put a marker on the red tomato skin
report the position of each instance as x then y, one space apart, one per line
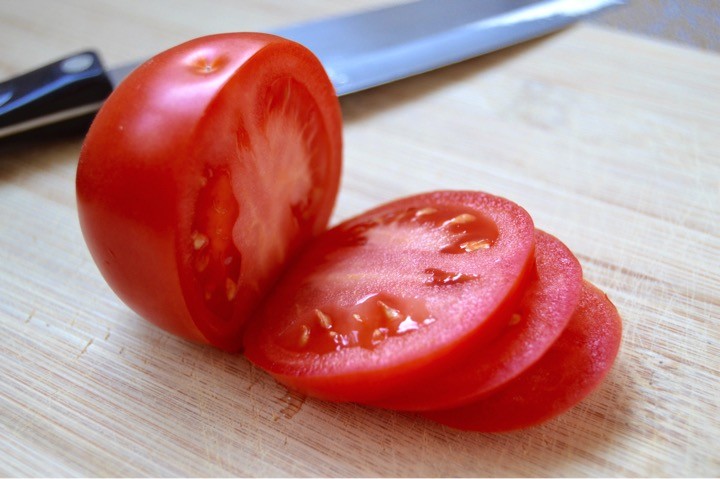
144 153
571 369
360 375
545 309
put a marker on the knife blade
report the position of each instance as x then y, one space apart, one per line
359 51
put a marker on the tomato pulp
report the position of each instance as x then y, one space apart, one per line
205 171
394 294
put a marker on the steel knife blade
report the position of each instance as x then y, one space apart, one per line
359 51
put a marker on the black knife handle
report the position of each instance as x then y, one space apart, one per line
60 97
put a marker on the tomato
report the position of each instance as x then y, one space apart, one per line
205 171
575 364
541 315
204 188
395 294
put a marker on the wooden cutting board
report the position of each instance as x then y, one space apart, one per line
610 141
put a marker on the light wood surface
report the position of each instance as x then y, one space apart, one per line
610 141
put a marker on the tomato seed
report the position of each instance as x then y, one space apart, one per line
202 262
324 320
304 336
199 240
461 219
439 277
390 313
515 319
230 289
470 246
425 211
379 335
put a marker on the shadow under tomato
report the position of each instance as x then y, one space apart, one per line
568 444
404 444
181 388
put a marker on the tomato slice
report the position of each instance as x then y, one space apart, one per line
394 294
575 364
542 314
206 170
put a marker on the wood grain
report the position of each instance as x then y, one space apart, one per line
610 141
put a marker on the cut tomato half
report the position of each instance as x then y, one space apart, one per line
202 175
575 364
394 295
541 315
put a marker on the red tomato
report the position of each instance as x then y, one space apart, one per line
542 314
394 294
203 173
575 364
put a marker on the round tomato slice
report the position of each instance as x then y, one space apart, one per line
394 294
575 364
203 173
541 315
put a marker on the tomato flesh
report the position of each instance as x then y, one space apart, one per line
204 173
539 318
393 294
574 366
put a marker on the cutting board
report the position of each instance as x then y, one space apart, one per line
609 140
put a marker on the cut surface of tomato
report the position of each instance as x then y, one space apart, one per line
394 294
575 364
205 171
541 315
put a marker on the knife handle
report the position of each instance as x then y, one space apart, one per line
61 97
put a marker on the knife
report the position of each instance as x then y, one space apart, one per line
359 51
